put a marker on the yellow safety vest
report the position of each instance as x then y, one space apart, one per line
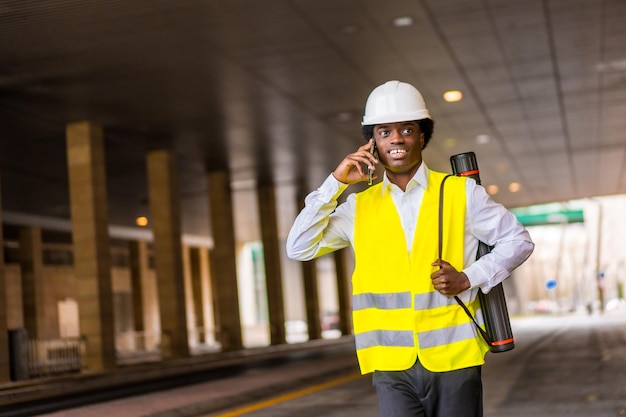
397 313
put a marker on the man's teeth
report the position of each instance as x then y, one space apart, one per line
394 151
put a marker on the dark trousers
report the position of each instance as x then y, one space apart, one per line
418 392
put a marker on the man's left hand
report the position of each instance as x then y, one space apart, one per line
447 280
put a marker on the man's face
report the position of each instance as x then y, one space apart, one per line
399 146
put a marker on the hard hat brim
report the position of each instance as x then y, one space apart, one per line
393 118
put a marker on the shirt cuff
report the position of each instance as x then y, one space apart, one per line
332 188
480 278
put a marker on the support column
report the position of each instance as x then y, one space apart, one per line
271 255
195 267
165 211
208 297
39 322
312 301
223 262
311 293
92 259
343 293
5 368
138 254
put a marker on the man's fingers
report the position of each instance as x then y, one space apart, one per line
367 146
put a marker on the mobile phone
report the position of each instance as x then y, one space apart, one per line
370 171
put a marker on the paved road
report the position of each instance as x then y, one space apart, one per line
563 366
571 366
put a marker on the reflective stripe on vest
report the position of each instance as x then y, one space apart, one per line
383 301
384 338
403 300
405 338
434 299
397 314
441 337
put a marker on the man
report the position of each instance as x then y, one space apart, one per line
422 348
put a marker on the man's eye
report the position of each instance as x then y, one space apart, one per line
407 131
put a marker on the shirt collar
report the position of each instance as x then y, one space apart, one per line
419 179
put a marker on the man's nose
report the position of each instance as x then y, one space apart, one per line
396 136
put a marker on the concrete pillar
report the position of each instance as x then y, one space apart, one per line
223 262
92 259
35 308
5 368
311 293
195 268
138 254
271 254
168 256
312 301
208 297
344 295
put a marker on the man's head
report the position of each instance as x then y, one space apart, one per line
396 101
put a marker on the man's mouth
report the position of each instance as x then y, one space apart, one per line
397 152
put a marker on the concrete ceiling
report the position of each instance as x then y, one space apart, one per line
273 90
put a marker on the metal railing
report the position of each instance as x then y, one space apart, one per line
55 356
58 356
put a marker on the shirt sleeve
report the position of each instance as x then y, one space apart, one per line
493 224
322 226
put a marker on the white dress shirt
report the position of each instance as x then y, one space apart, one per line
324 226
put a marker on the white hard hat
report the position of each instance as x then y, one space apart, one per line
394 101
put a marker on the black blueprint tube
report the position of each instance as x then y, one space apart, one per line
493 304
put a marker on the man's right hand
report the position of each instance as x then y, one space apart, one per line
353 167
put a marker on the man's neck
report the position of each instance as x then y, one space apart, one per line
401 179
